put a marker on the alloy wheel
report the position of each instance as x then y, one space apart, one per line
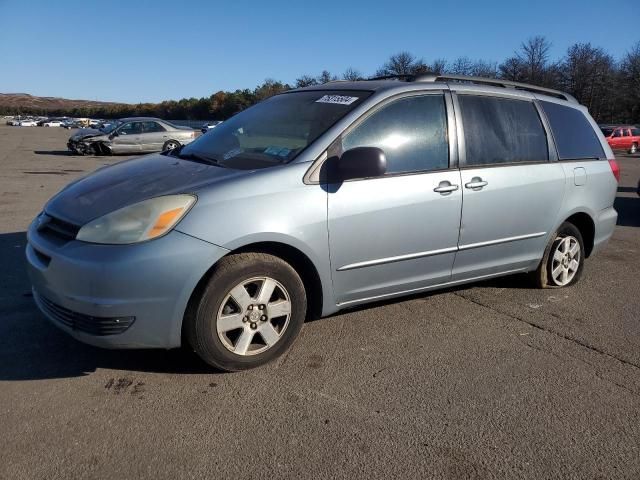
253 316
566 260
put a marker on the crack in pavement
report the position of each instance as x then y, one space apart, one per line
544 329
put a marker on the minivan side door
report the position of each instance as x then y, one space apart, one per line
512 191
398 232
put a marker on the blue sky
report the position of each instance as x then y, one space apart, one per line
136 51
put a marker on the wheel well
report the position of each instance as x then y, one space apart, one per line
294 257
587 228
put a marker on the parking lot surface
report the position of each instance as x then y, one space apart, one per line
490 380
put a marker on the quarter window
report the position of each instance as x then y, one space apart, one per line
411 131
572 132
501 130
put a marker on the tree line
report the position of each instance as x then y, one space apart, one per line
609 87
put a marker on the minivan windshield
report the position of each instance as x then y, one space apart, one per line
274 131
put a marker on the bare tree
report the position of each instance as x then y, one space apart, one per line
325 77
352 74
438 66
630 84
587 73
402 63
305 81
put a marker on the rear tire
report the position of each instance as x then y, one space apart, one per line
250 312
563 259
633 149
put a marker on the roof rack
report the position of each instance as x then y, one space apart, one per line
432 77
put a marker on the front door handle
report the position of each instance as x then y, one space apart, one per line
476 183
445 187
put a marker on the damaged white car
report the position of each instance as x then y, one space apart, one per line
130 135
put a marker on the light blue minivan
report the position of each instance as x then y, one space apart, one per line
319 199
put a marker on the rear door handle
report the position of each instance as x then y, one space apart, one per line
445 187
476 183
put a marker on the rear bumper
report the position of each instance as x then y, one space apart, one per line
604 226
119 296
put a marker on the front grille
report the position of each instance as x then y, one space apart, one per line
61 230
99 326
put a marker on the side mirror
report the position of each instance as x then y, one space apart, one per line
361 162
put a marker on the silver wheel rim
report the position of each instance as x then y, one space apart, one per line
253 316
633 149
566 260
171 145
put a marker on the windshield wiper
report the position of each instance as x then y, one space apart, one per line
199 158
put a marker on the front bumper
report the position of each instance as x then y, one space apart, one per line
87 289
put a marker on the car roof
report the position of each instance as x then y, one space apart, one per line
439 82
141 119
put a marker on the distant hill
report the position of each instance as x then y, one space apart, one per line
25 103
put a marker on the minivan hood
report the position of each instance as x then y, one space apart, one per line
132 181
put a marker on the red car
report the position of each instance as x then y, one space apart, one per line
622 138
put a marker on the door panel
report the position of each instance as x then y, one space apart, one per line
128 139
392 234
506 223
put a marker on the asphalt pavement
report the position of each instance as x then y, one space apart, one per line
490 380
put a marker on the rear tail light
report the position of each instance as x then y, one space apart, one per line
615 169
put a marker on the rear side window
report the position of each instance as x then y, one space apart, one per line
635 132
500 130
572 132
411 131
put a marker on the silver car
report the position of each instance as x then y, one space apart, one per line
130 136
320 199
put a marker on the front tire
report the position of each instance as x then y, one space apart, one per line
563 259
170 145
250 312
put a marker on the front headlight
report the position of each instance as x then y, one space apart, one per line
138 222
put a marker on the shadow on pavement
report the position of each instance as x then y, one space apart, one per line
64 153
31 348
628 209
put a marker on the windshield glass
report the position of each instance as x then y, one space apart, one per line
110 127
274 131
607 131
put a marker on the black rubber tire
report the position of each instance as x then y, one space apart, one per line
170 145
200 329
542 276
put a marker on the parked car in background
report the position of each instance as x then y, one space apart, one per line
209 125
28 123
230 242
625 137
131 135
52 123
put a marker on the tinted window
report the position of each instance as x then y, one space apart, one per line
635 132
499 130
617 133
572 132
606 131
626 133
411 131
